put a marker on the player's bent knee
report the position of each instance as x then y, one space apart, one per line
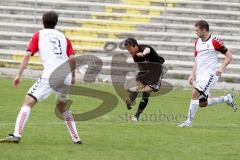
146 94
61 106
148 89
195 94
203 102
29 101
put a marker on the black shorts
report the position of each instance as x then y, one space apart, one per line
153 80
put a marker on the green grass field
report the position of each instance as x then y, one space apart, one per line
214 135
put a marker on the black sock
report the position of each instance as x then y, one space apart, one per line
142 104
133 96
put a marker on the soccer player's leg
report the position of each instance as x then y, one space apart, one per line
228 99
61 104
143 103
211 101
130 100
203 88
193 107
199 97
22 118
133 89
36 93
153 85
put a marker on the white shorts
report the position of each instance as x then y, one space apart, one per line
205 83
41 90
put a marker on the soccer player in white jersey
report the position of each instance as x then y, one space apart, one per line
206 71
54 49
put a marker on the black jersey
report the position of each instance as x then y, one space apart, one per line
153 76
150 57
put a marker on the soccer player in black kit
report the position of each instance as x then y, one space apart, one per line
149 76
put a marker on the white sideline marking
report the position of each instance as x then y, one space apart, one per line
231 125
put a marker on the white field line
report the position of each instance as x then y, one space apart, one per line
195 125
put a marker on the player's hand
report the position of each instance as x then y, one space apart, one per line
16 81
140 54
219 71
190 80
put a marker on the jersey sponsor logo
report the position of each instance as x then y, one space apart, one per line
204 50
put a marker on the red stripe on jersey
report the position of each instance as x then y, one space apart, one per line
70 50
33 44
218 44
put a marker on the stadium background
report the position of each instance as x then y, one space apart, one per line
167 25
91 24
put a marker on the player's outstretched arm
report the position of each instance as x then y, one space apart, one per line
22 67
227 60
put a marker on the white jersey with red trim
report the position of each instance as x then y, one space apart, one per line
206 55
53 47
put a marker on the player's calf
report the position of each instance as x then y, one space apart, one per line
130 100
142 104
141 107
30 101
69 120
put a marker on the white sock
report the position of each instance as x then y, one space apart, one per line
71 125
21 120
216 100
192 110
